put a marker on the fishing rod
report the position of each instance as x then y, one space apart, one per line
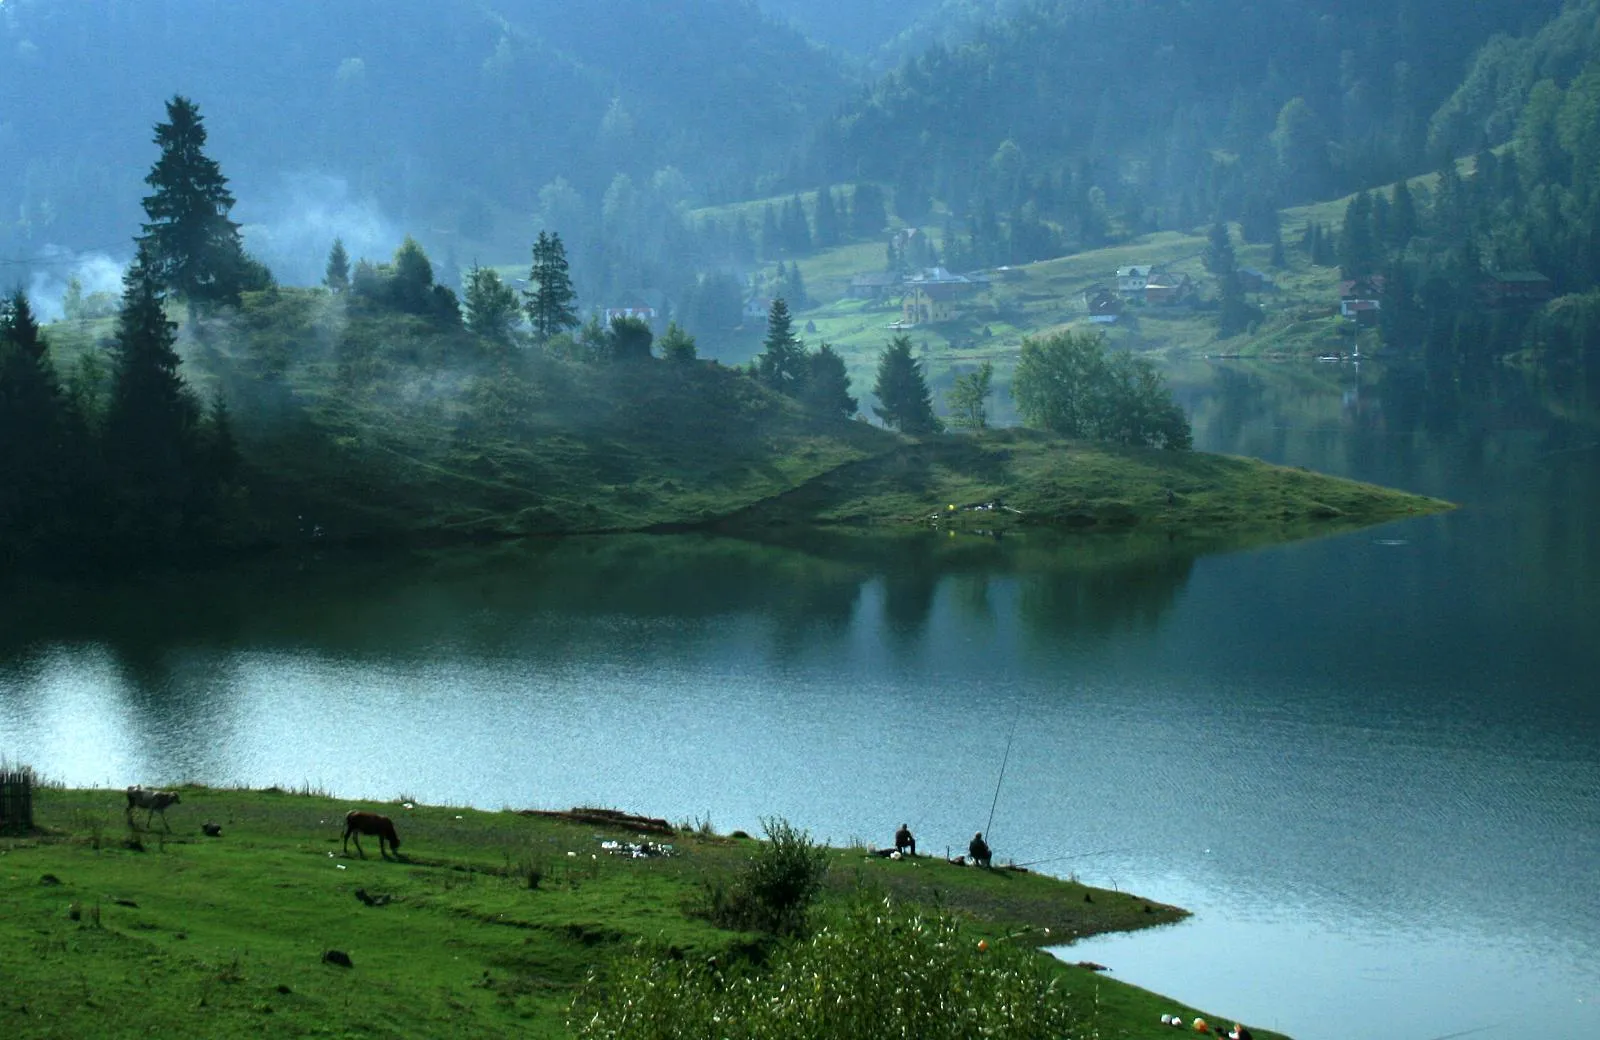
1075 855
987 827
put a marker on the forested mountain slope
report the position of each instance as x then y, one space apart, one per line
446 112
1172 108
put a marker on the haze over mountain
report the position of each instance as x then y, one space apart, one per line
1027 129
446 116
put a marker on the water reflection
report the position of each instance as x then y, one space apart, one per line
1354 756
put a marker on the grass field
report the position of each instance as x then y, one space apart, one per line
486 925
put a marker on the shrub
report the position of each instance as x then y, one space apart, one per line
1069 384
778 886
881 969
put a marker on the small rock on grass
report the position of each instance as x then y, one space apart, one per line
338 957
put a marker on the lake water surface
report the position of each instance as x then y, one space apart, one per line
1370 763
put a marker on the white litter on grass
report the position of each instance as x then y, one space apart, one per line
408 805
458 817
339 865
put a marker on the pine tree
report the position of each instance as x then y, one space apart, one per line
550 300
195 250
794 228
149 439
72 301
902 391
793 287
869 214
1358 250
781 365
829 231
827 389
1219 256
492 309
1403 225
412 282
1280 257
337 277
677 345
34 461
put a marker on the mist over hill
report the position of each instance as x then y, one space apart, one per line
445 117
1015 130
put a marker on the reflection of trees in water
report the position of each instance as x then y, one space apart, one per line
1132 595
554 602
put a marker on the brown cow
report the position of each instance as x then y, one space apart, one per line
358 822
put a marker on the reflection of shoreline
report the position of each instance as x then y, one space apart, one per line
362 603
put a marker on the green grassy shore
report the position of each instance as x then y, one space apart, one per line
486 926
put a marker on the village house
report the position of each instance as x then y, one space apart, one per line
1168 290
1361 299
1252 280
1516 289
757 308
1100 301
644 314
1131 282
876 286
932 296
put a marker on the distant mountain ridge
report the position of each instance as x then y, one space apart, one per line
435 108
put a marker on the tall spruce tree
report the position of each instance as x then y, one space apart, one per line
149 437
34 462
549 300
194 249
781 365
902 391
337 275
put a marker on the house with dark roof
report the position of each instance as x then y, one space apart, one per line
1516 289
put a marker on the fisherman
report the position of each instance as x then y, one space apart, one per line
904 843
978 849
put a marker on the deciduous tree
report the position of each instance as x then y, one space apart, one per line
968 398
827 385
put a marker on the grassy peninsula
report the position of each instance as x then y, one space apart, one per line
487 925
359 424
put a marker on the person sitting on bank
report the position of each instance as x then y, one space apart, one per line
904 843
978 849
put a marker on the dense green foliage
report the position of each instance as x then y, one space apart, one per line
192 246
1070 384
968 398
880 968
1158 116
904 401
550 298
775 890
138 933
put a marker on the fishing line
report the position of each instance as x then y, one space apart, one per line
987 827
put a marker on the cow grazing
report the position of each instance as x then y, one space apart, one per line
152 801
357 823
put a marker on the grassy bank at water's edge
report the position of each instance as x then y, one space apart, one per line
487 926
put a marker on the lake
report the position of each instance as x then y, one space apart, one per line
1369 763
